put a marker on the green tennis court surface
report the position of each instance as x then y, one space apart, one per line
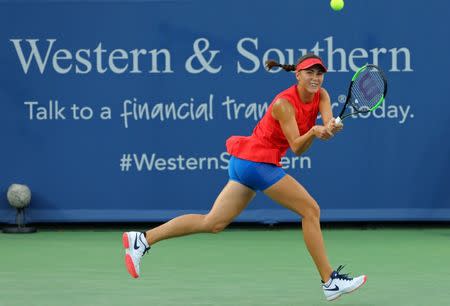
235 268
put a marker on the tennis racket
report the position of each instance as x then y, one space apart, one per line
366 92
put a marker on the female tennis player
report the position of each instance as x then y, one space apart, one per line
290 122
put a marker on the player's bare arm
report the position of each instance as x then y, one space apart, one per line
327 113
284 112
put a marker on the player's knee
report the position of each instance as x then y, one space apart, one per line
218 227
312 211
214 226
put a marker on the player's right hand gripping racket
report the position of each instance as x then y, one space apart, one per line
366 92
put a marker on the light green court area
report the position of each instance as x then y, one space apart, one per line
234 268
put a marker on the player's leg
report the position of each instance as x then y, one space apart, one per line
289 193
231 201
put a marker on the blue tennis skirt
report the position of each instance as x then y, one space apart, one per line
257 176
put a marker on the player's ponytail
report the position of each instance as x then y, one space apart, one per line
271 63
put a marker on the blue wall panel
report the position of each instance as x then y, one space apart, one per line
190 64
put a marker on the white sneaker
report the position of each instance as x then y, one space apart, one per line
341 283
135 246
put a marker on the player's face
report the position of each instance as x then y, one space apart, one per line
310 79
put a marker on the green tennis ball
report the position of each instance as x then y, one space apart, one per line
337 5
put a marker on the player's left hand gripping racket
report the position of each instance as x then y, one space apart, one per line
366 92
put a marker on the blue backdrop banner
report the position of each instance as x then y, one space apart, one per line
119 110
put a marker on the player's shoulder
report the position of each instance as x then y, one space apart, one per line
283 102
323 91
282 108
324 96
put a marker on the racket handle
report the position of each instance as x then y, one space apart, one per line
338 120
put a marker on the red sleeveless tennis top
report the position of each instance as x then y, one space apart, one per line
268 144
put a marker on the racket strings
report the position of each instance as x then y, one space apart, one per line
367 89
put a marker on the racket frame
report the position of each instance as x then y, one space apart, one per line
340 117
